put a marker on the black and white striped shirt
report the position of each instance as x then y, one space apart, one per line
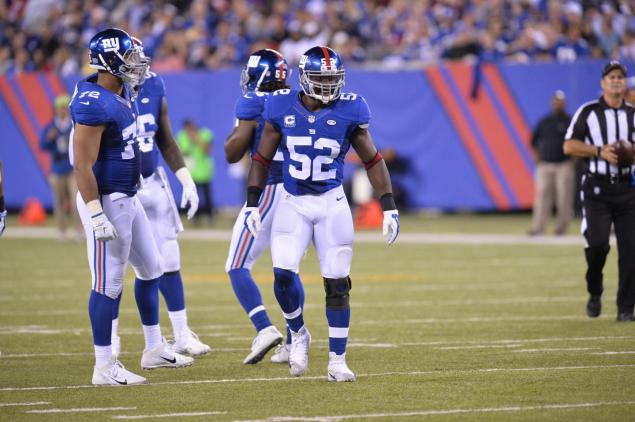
596 123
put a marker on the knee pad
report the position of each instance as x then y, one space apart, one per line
114 290
283 278
337 292
338 261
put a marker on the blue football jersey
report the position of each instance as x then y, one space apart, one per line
117 167
250 107
149 102
314 144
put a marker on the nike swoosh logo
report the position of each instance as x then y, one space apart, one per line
173 360
85 103
124 382
339 199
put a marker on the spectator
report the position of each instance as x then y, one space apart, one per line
55 139
555 172
215 34
196 144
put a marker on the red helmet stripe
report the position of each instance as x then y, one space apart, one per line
327 56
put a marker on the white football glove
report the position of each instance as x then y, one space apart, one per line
189 195
103 228
3 218
252 221
391 225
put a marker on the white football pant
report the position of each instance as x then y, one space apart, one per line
108 261
326 219
158 202
244 250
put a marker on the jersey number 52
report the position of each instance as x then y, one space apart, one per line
316 165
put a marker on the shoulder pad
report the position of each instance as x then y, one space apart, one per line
87 108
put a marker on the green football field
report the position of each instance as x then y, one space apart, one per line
443 330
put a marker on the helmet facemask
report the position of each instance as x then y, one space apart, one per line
134 68
323 85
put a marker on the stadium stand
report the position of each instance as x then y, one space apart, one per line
212 34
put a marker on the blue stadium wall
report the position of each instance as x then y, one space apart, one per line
463 130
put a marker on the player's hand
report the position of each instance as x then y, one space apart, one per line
103 228
252 221
190 196
391 225
3 219
189 191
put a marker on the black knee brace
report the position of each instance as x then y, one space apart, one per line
337 292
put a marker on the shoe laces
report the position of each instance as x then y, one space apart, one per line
116 367
302 345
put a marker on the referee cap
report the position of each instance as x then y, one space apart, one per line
612 65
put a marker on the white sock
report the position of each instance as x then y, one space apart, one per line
102 355
179 322
152 335
115 328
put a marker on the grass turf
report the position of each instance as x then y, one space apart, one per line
439 332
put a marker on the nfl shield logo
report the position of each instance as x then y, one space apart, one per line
311 119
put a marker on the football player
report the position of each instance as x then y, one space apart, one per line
314 129
265 72
155 136
105 156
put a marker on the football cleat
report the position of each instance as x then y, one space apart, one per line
188 343
299 352
281 354
113 373
267 339
115 343
163 356
338 370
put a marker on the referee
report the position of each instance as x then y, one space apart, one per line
607 194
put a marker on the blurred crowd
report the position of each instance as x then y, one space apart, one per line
212 34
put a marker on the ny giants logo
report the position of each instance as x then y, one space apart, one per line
253 61
110 44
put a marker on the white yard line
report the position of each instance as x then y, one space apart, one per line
358 304
479 346
516 341
82 410
438 412
437 345
168 415
373 236
68 354
625 352
562 349
383 374
35 403
478 319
